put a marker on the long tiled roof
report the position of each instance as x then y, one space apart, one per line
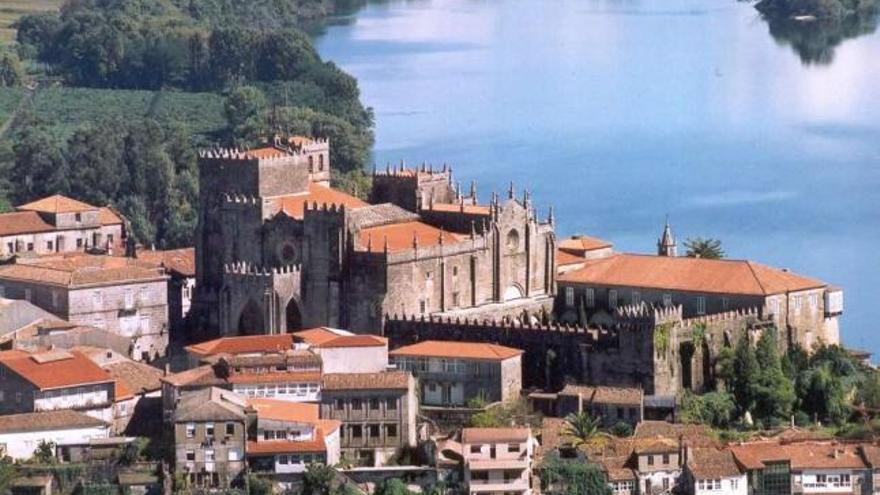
401 236
55 369
63 419
459 208
355 341
244 344
689 274
81 269
107 216
493 435
367 381
139 378
456 349
282 410
56 204
319 335
566 258
801 455
581 243
605 395
294 204
694 435
23 222
210 404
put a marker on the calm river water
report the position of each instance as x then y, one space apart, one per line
619 112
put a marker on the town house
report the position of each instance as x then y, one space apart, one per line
498 460
21 434
611 405
451 372
711 471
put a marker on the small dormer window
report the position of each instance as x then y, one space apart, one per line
78 217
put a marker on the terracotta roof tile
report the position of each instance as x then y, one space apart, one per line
400 236
283 410
801 455
578 244
689 274
566 258
694 435
275 377
710 463
55 369
77 269
459 208
605 395
106 216
49 420
263 447
23 222
494 435
181 261
138 377
363 340
367 381
56 204
319 335
243 345
267 152
294 204
456 349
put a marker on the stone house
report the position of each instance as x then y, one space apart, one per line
710 471
59 379
452 372
377 410
58 224
278 249
21 434
871 455
804 309
210 432
120 295
180 265
658 463
610 404
621 478
288 437
498 460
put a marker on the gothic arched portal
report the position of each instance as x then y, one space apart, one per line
292 316
251 320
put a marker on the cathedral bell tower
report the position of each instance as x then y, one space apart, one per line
666 244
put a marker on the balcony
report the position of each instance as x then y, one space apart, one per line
498 486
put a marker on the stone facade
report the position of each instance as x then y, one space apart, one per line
278 250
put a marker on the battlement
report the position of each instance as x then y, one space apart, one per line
246 269
424 172
477 326
274 153
646 313
734 315
240 199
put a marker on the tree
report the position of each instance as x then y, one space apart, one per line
40 168
8 473
583 429
318 479
713 408
725 367
747 372
392 486
245 109
774 394
704 248
11 71
570 477
45 452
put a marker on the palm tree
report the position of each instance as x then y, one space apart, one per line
583 429
704 248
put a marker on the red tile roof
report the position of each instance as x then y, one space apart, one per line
275 377
77 269
494 435
294 204
263 447
400 236
56 204
62 419
319 335
181 261
566 258
604 394
106 216
709 464
243 345
458 208
577 244
283 410
801 455
267 152
456 349
689 274
23 222
55 369
355 341
388 380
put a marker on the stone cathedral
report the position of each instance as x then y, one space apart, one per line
278 249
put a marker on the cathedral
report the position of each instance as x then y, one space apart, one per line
278 249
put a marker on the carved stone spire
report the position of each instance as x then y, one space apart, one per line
666 245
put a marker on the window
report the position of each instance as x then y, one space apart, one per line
356 404
129 298
701 305
513 447
569 296
665 483
612 298
665 458
79 242
374 431
797 303
429 275
30 246
356 431
230 428
620 413
636 297
78 217
650 460
109 238
725 304
667 300
10 247
814 301
390 431
209 455
340 404
209 429
734 483
27 294
283 459
422 306
55 298
191 455
590 297
374 404
190 430
476 449
320 163
391 405
454 271
455 299
50 246
311 164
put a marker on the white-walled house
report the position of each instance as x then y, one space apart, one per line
344 352
498 460
710 471
21 434
291 436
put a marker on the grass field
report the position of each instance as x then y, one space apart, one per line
11 10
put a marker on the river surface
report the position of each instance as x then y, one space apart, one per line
620 112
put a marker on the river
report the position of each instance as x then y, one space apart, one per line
620 112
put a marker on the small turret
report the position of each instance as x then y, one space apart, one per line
666 245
